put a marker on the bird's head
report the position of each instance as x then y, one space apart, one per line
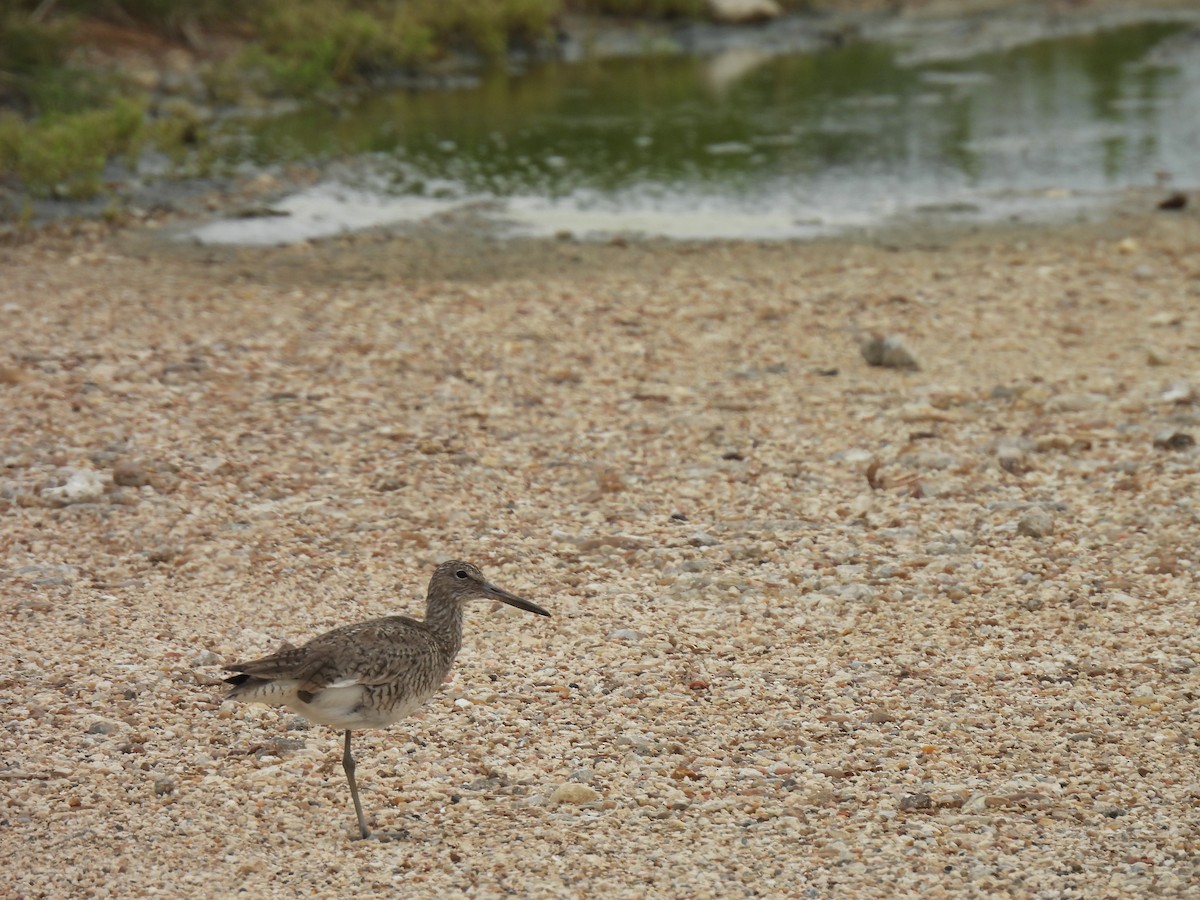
462 582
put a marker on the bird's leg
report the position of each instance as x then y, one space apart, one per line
348 765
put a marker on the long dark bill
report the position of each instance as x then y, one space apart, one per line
513 600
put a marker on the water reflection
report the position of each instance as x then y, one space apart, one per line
751 144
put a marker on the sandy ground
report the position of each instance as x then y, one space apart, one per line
820 629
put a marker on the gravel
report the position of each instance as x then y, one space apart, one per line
802 644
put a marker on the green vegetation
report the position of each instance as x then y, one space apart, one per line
58 125
313 44
65 154
61 121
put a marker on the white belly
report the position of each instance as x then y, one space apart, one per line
345 707
350 708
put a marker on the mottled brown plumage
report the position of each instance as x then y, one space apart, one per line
372 674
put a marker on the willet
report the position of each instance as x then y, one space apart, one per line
372 674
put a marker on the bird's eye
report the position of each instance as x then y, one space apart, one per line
461 573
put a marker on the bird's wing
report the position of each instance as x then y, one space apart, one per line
374 652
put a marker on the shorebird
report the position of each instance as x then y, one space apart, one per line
371 674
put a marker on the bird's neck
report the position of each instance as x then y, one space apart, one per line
445 621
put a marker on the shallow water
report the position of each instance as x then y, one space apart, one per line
754 141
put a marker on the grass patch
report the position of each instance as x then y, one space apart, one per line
490 28
65 156
312 44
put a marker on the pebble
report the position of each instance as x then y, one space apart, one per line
1061 403
624 634
130 473
924 412
1036 523
83 486
889 352
1165 319
574 793
915 802
1180 392
1174 440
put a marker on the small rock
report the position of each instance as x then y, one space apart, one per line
890 352
1051 442
1165 319
924 412
1157 357
1061 403
130 473
1175 201
1013 461
1036 394
161 554
618 541
1036 523
1174 440
915 801
574 793
206 658
976 803
84 486
854 455
282 746
1179 392
702 539
624 634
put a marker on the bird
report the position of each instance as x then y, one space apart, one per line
374 673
